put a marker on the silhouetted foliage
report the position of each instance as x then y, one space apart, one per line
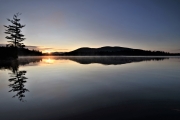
14 31
15 38
13 52
8 52
27 52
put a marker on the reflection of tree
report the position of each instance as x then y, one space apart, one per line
21 61
18 79
14 66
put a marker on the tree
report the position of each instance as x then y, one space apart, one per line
15 37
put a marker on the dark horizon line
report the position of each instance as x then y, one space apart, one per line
116 50
121 47
36 48
27 47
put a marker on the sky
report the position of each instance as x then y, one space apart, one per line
65 25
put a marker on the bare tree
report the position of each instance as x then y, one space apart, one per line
14 32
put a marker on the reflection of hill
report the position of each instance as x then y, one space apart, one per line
112 60
14 64
108 60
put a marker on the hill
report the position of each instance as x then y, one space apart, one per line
111 51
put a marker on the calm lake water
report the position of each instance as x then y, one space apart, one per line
90 88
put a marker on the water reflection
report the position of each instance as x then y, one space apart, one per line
112 60
13 65
63 89
18 80
109 60
49 60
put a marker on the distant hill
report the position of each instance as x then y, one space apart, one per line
109 51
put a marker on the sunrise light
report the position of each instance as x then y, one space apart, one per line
49 61
47 51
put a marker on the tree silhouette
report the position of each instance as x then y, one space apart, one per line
15 37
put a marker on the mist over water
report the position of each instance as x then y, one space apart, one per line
71 88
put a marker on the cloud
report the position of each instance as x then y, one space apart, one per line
41 48
52 49
45 49
62 49
33 47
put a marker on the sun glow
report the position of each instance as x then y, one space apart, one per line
47 51
49 61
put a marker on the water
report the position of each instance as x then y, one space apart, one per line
90 88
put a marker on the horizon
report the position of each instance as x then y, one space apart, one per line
47 51
63 26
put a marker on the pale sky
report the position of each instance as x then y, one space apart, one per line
65 25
